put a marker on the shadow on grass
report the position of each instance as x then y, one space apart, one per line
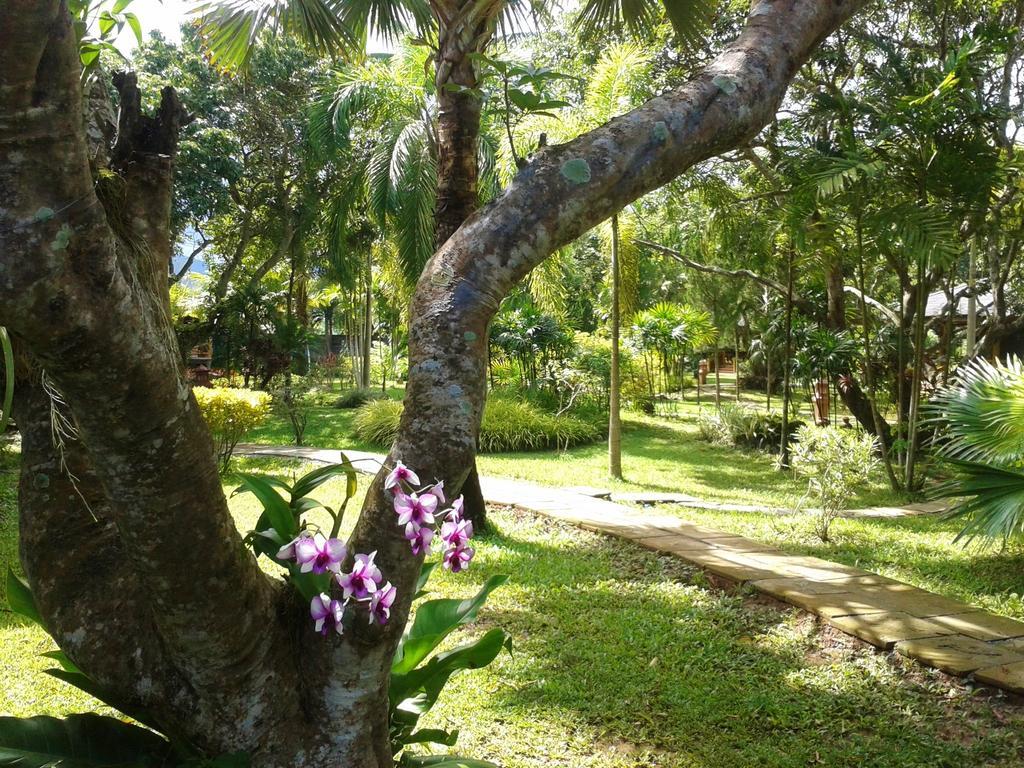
625 639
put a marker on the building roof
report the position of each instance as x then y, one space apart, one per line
938 303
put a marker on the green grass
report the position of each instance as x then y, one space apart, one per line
627 659
659 453
917 550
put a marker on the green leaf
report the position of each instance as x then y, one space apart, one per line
133 22
19 597
278 512
432 736
78 741
308 483
62 658
83 682
444 761
421 580
416 693
434 621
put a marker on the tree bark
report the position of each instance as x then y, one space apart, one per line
255 676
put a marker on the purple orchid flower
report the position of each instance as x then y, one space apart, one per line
363 580
398 474
317 554
419 537
455 513
457 559
381 602
436 490
327 614
456 532
287 552
415 509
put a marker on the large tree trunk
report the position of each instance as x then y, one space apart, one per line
458 167
223 656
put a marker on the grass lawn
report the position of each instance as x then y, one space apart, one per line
627 659
658 453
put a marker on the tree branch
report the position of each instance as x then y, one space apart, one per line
562 193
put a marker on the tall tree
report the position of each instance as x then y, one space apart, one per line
209 645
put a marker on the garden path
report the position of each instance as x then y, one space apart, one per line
937 631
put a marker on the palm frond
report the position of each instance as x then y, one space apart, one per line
232 28
982 413
690 19
990 497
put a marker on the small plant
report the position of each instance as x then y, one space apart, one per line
834 461
231 414
294 402
711 428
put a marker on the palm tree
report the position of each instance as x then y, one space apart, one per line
982 419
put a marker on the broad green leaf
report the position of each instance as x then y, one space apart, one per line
133 22
434 621
19 597
416 692
83 682
432 736
279 514
62 658
308 483
78 741
421 580
444 761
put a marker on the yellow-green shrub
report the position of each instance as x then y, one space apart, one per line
231 414
508 426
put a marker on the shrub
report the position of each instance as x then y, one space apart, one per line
353 398
295 403
231 414
744 427
377 421
834 461
508 426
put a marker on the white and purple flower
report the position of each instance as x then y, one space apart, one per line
419 537
314 553
436 490
418 510
399 474
457 559
456 532
327 614
381 602
363 579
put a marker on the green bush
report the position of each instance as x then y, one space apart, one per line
508 426
231 414
377 421
744 427
353 398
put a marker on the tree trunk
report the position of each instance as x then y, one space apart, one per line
367 341
219 653
614 423
787 391
458 172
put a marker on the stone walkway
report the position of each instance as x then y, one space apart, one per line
934 630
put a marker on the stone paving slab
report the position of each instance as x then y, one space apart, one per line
982 625
1007 676
884 630
958 654
935 630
